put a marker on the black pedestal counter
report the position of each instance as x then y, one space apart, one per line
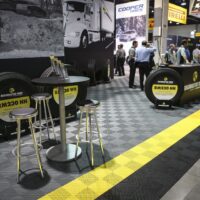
173 84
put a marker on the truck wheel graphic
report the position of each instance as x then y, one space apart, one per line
15 92
84 40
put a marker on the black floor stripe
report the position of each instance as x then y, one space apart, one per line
153 180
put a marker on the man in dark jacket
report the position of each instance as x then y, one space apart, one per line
131 62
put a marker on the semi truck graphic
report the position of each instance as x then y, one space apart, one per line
87 21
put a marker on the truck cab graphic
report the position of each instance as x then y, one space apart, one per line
87 21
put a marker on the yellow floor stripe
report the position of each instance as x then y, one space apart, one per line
96 182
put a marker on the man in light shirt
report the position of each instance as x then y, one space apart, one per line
131 62
142 57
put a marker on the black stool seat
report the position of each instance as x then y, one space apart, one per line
41 96
89 102
23 113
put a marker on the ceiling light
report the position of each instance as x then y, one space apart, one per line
183 3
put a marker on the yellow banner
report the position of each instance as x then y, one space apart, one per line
71 92
151 23
197 34
177 14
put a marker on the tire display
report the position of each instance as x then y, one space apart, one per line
15 92
164 87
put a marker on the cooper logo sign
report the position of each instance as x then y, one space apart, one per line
177 14
136 8
131 9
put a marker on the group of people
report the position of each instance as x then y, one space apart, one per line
142 58
182 55
138 57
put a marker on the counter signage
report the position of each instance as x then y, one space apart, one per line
71 93
177 14
165 89
195 85
11 98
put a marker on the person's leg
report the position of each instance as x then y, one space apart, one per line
119 66
141 72
123 61
147 69
132 74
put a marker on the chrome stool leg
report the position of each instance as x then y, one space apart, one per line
78 135
51 119
99 134
91 144
45 114
18 149
86 118
36 147
40 121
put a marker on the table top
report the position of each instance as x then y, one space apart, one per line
185 65
58 81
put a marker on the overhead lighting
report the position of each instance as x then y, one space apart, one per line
183 3
152 11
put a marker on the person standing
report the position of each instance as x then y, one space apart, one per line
196 55
142 57
131 62
181 53
170 55
122 60
117 67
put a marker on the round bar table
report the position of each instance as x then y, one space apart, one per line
62 152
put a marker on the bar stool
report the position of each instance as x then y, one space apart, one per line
39 98
25 114
89 108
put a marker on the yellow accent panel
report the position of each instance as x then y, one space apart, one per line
96 182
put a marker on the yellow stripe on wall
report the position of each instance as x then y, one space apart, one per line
96 182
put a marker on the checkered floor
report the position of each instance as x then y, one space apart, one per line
126 118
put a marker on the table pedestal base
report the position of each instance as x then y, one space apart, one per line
55 153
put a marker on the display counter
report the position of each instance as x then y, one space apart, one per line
173 84
190 74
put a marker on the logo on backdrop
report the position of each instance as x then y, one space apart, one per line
136 8
195 76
